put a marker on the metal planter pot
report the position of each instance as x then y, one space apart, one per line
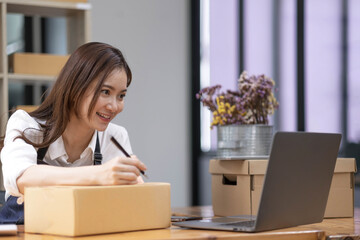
241 141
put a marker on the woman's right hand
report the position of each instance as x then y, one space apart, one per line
120 171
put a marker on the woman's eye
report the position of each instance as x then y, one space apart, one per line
105 91
121 97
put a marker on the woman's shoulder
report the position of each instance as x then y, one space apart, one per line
21 119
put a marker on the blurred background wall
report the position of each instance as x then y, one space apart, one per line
155 39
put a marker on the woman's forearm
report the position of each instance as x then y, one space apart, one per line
118 171
43 175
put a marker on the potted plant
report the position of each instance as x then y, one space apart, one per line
241 116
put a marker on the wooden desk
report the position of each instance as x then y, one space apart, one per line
319 231
331 226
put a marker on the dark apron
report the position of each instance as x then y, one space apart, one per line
12 212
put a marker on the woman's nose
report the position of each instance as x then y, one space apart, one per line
112 105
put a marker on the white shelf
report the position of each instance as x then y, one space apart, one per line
30 78
45 8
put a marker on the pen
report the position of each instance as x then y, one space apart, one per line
117 144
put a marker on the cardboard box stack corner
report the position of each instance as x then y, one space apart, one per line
237 185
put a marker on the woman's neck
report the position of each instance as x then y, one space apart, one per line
76 138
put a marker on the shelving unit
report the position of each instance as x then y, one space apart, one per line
77 15
78 28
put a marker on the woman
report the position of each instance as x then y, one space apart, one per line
62 141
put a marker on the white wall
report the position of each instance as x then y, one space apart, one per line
154 36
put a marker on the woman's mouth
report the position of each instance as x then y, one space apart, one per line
104 116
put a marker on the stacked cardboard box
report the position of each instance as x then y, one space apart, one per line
37 64
237 187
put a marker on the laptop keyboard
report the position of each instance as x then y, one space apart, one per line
240 224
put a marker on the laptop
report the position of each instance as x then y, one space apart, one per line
296 185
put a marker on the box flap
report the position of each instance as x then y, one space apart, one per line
245 167
229 166
257 167
345 165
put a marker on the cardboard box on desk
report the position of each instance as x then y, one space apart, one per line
37 64
237 187
76 210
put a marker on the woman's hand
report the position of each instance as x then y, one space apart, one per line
121 170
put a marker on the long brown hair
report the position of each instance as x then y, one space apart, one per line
91 61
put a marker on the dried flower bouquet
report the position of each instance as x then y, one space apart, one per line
252 103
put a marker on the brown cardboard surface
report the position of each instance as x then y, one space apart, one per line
229 167
37 64
259 166
256 192
341 196
345 165
224 195
244 197
76 210
238 166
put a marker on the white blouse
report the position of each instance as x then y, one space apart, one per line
17 155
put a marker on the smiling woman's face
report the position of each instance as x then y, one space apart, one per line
109 103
